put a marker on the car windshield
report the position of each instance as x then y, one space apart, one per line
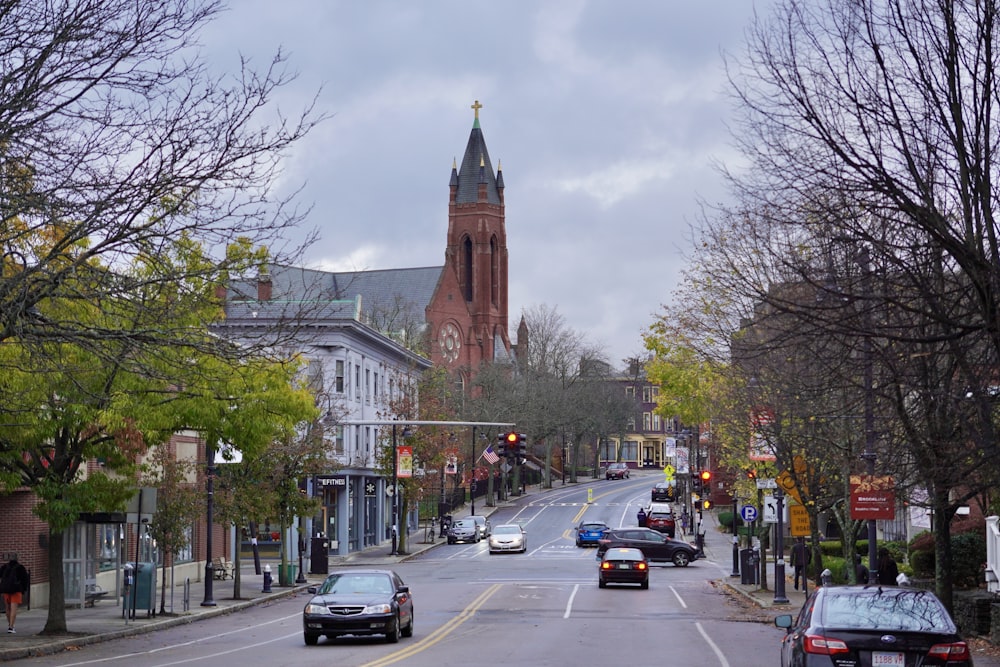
465 524
357 583
660 516
623 554
915 611
507 530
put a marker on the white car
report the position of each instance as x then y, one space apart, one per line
508 537
483 524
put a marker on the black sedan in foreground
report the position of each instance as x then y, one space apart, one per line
872 625
623 566
656 546
359 602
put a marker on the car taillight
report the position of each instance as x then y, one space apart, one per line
640 566
955 651
605 565
824 645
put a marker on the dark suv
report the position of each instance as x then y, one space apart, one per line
616 471
657 546
662 492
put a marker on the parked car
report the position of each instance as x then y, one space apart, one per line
484 525
359 602
656 546
662 492
616 471
872 625
661 521
622 565
589 532
508 537
463 530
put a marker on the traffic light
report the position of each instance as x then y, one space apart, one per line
706 479
522 444
707 504
751 473
512 439
501 445
696 484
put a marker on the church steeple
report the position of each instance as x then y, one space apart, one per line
476 168
472 293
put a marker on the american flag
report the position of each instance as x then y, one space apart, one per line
490 455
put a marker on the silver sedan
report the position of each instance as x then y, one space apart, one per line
508 537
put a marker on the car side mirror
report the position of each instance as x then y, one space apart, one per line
783 621
312 589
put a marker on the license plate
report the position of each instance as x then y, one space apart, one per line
883 659
624 566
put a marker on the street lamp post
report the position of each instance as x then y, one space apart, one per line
395 493
209 601
779 550
869 455
736 540
472 473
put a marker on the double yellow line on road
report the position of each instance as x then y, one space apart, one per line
439 634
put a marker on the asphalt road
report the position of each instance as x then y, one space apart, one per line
539 608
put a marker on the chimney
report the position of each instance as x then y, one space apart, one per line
263 285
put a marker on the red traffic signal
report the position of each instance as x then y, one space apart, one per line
512 439
706 476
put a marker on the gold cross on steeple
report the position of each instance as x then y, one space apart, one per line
476 107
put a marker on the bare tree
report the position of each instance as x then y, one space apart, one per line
119 144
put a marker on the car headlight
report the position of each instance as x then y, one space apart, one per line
377 609
316 609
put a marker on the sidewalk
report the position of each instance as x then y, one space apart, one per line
719 549
105 620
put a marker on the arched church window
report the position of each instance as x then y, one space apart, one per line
467 268
494 272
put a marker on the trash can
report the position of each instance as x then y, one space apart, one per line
319 556
141 595
748 567
289 574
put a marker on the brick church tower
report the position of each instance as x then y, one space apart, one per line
467 315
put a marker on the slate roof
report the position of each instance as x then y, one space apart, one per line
476 166
385 290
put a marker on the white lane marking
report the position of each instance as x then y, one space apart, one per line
192 642
678 596
715 649
569 603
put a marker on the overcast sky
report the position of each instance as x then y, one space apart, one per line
605 115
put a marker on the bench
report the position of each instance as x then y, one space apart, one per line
92 594
222 568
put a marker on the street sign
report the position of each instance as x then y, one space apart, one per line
669 471
798 524
787 483
749 513
769 483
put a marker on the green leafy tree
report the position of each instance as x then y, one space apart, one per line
178 505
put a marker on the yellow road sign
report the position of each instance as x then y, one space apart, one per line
669 470
798 521
787 484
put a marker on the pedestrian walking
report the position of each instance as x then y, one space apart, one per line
888 571
14 584
684 522
801 557
641 517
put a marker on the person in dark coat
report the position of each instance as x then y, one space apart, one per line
641 517
14 585
801 556
888 571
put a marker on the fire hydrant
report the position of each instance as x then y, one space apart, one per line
267 579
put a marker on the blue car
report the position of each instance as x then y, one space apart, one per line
590 533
